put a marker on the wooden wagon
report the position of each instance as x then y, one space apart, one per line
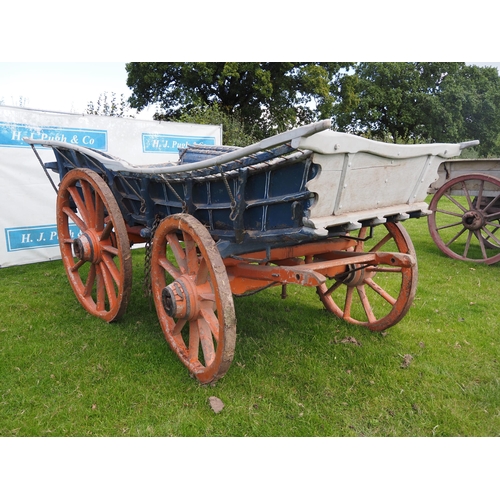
309 207
465 206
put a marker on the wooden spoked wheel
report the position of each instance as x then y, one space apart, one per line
193 297
465 219
96 255
374 296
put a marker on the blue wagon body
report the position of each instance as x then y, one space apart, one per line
249 204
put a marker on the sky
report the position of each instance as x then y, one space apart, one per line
70 86
63 86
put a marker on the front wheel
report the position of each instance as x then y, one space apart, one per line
193 297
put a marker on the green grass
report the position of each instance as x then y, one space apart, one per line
66 373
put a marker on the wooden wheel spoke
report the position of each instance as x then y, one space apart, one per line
366 304
492 203
80 205
334 287
89 284
480 195
191 252
467 193
203 273
481 243
98 213
165 264
348 302
491 234
378 289
467 244
100 289
447 226
212 321
177 331
194 341
207 341
106 233
381 243
178 251
88 199
462 231
455 202
493 217
79 263
447 212
112 269
74 217
110 250
108 287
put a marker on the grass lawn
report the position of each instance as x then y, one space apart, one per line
66 373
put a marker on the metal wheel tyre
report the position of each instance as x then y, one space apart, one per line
374 296
465 218
96 255
193 297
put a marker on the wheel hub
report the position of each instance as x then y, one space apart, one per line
473 220
179 299
86 248
354 275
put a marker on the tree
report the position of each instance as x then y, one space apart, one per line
110 106
421 102
233 128
386 100
469 108
268 97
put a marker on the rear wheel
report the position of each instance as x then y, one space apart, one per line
374 296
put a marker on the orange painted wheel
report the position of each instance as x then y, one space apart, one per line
465 219
374 296
193 297
96 255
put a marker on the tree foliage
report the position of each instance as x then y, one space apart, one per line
422 102
110 106
233 128
403 102
268 97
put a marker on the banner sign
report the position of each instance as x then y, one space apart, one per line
29 237
161 143
12 135
28 231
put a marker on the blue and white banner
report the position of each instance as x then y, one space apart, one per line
28 230
12 135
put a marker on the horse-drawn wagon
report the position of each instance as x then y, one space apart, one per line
465 207
308 207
